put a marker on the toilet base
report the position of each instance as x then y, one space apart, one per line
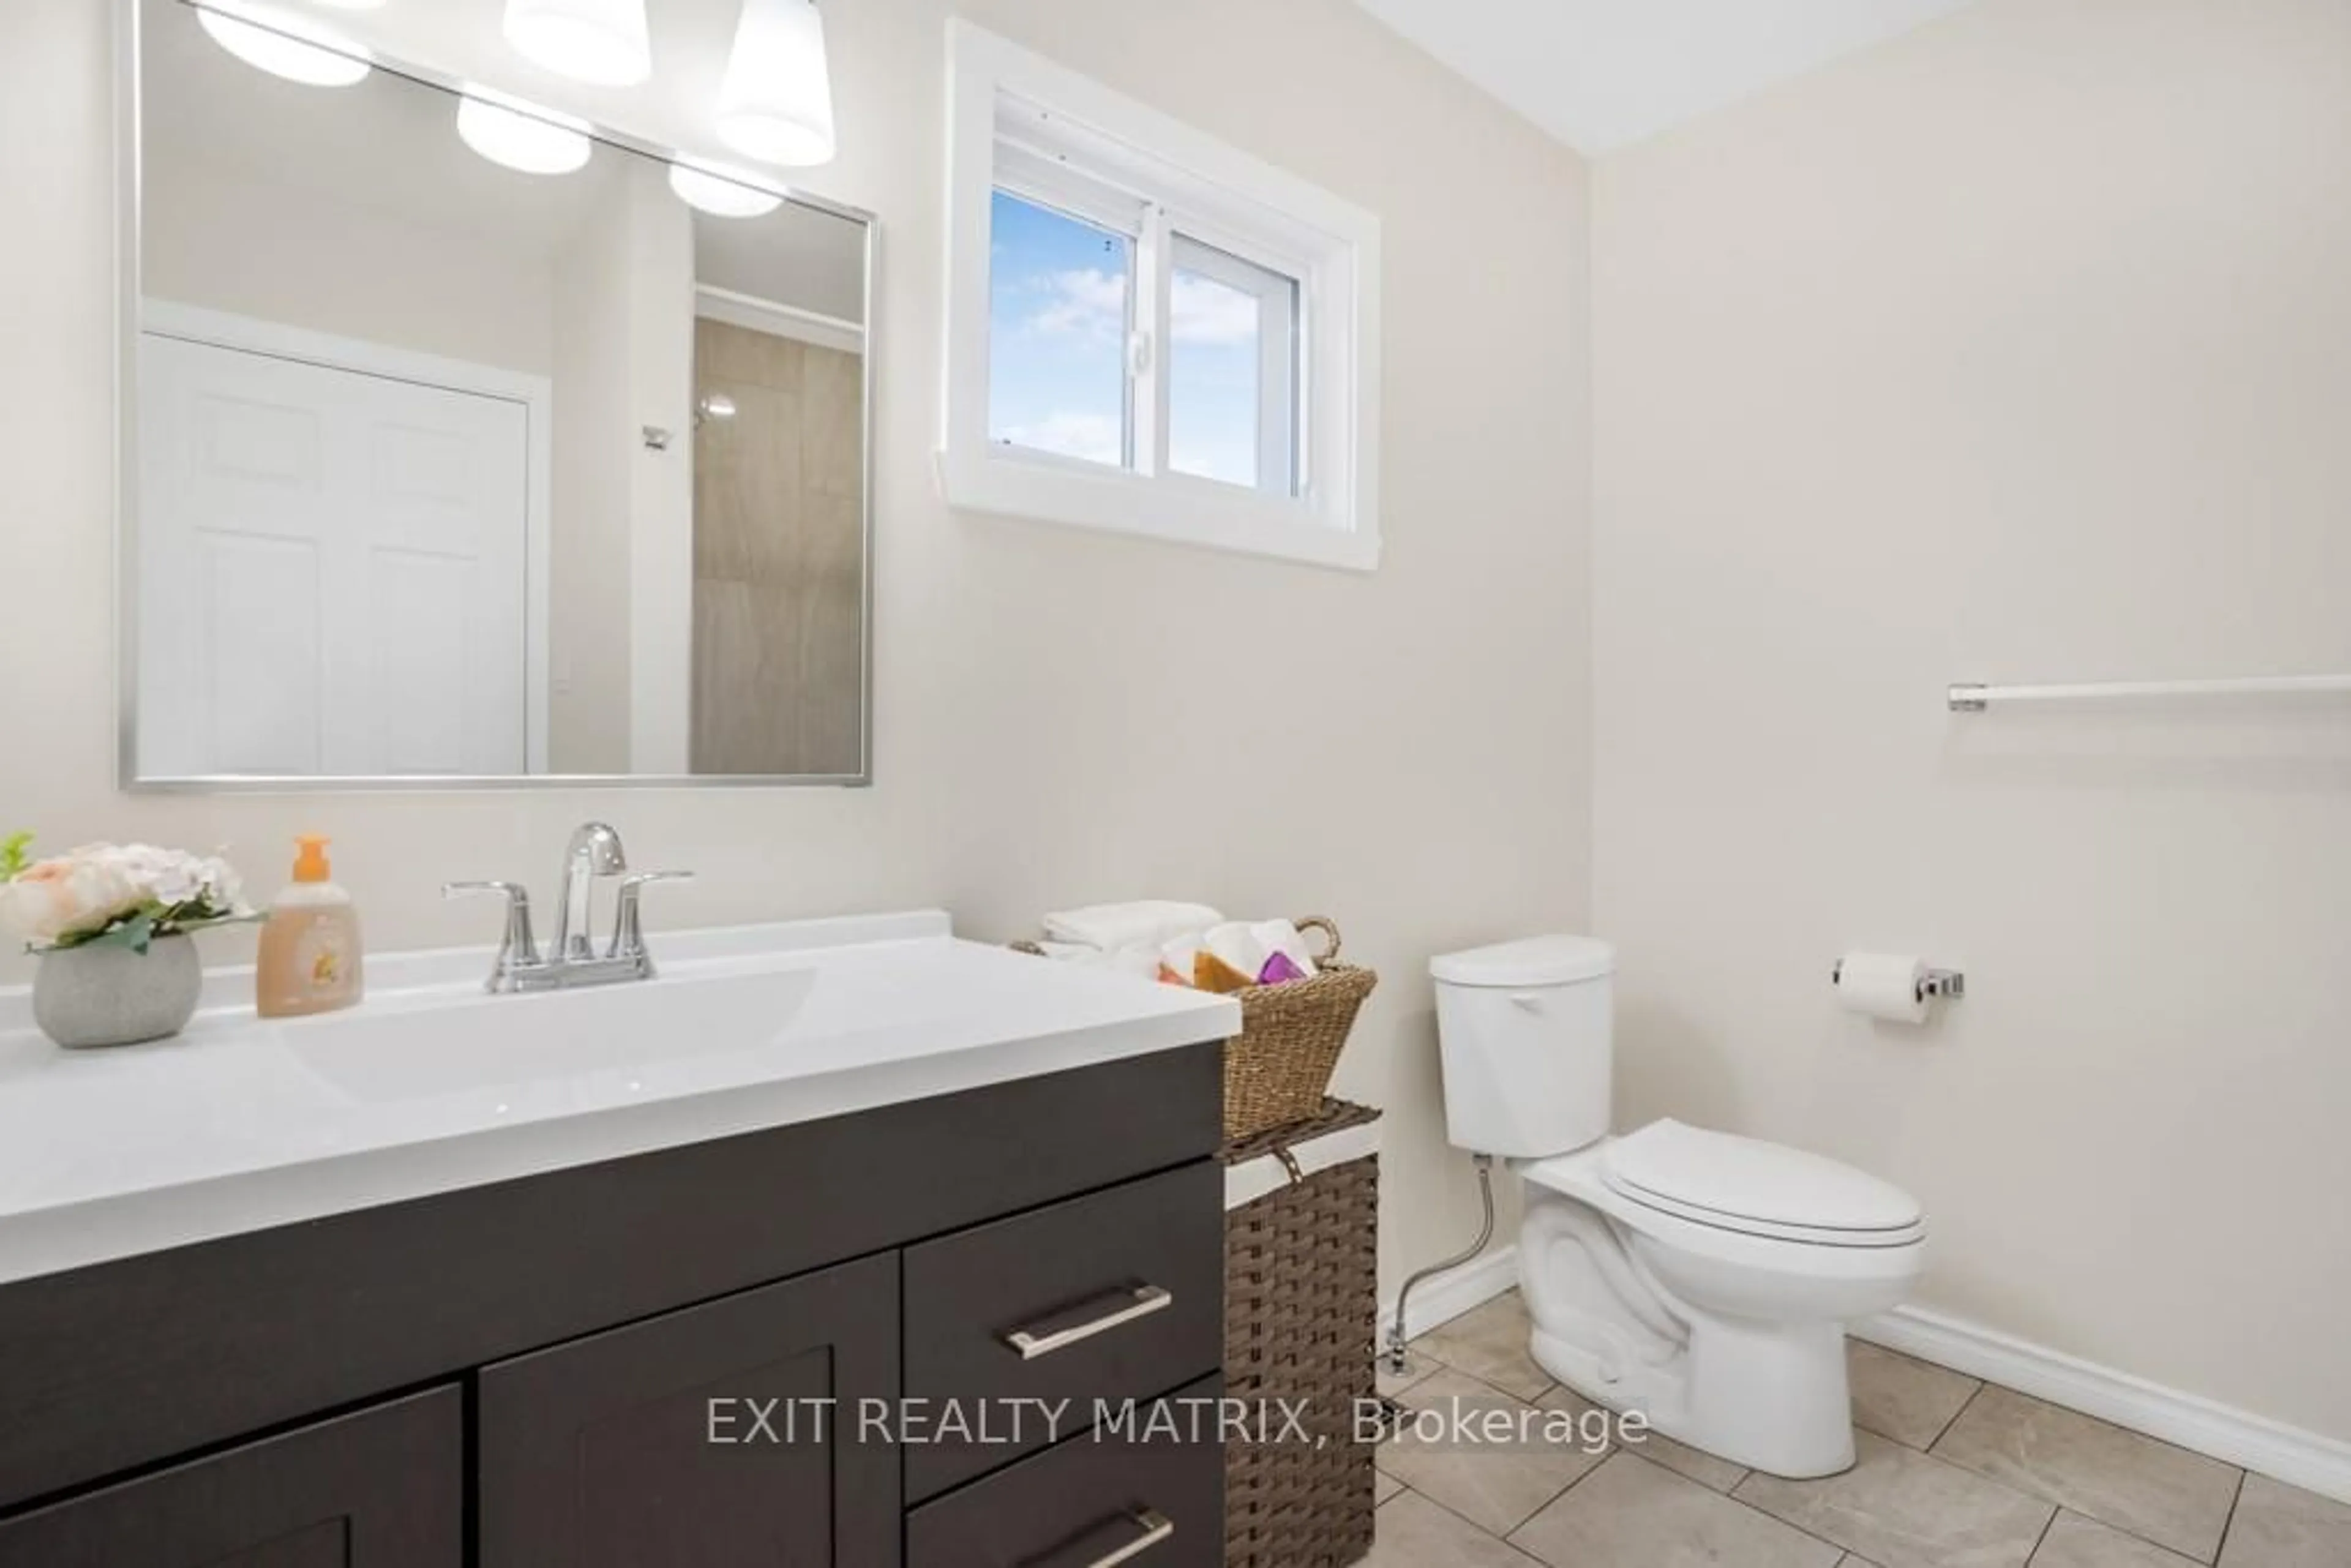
1768 1393
1773 1398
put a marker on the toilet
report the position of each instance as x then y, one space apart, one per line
1701 1279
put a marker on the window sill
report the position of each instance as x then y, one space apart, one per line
1201 513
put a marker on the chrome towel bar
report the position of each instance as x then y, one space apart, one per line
1977 698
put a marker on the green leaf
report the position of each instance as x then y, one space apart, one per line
13 858
134 932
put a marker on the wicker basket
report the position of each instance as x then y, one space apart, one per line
1302 1266
1278 1067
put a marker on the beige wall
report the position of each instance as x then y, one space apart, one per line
594 455
1061 717
228 239
2020 348
660 482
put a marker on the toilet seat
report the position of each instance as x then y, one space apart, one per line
1756 1188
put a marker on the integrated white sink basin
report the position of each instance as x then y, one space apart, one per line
432 1085
654 1032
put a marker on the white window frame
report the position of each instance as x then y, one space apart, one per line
1011 115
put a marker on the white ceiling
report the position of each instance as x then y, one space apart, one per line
1599 74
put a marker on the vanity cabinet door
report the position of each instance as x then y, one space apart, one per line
382 1486
720 1437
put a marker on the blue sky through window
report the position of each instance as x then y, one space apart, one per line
1212 376
1058 322
1057 332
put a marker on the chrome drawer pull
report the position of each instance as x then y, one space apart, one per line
1141 1303
1156 1526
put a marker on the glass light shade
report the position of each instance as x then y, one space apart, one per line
279 43
720 196
530 142
599 41
776 104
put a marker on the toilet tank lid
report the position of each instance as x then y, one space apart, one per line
1531 961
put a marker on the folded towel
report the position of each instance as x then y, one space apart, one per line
1141 958
1148 922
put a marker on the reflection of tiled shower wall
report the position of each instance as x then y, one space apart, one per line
778 556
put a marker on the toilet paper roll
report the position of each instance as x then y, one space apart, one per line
1883 986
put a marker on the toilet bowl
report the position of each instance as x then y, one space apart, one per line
1698 1277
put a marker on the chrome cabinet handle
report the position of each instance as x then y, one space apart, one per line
1141 1300
1156 1526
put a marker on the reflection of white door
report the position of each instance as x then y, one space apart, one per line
332 569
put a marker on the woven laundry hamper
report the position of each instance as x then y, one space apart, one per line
1301 1282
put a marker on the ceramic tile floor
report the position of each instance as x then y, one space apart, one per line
1952 1473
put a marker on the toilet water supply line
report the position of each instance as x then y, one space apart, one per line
1397 1358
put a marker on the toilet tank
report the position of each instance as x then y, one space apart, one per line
1525 1030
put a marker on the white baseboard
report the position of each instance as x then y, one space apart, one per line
1441 1298
2284 1453
2290 1454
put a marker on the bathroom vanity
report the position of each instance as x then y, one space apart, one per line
525 1281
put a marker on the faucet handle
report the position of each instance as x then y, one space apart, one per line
628 930
520 944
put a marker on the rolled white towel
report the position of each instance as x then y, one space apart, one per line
1147 922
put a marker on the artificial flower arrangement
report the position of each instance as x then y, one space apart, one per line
119 895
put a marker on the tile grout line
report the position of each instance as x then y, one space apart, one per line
2086 1414
2229 1524
1439 1504
1965 1405
1839 1547
1610 1452
2021 1489
1504 1538
2047 1525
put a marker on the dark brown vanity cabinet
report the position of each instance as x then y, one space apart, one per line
383 1486
719 1436
672 1360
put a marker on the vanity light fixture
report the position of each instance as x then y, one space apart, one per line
720 195
520 136
776 101
285 44
599 41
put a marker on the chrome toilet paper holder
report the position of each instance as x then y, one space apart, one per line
1949 985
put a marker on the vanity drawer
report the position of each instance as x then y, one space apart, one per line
1101 1497
1116 1295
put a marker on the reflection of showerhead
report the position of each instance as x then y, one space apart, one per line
714 406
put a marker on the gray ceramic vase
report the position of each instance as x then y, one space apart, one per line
115 996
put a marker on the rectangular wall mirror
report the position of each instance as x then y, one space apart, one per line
465 445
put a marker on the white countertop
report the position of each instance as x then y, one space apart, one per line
430 1085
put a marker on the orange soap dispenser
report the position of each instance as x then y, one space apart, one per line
310 959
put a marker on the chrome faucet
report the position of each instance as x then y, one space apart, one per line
594 851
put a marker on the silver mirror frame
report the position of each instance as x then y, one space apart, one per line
127 265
